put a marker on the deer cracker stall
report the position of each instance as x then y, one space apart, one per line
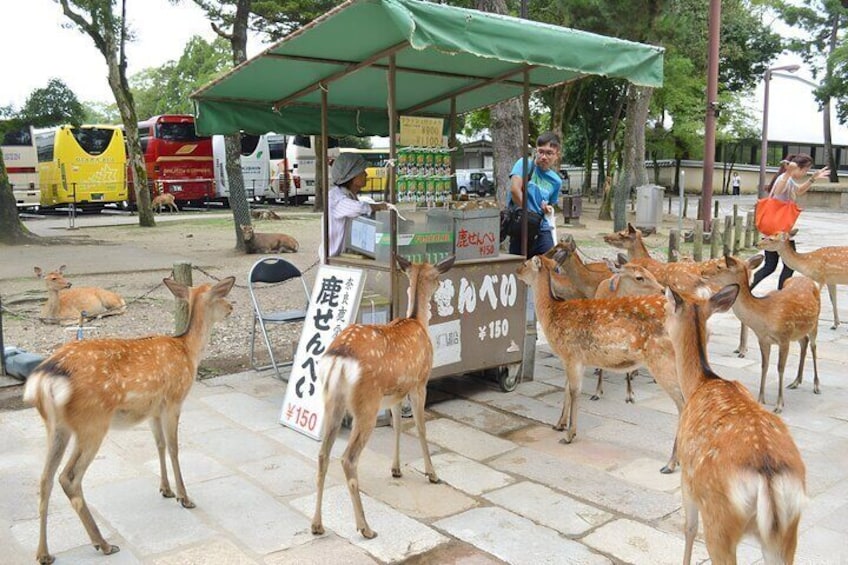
367 65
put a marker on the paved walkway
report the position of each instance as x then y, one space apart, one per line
511 493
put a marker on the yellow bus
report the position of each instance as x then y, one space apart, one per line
85 166
377 160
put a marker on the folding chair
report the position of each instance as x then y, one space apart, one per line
272 271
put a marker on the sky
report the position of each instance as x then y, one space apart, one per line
35 48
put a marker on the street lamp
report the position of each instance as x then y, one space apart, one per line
764 148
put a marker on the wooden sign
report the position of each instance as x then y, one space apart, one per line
333 305
422 132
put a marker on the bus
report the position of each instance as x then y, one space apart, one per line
85 166
178 161
377 160
21 158
254 166
301 159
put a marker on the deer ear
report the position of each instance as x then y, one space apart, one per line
38 272
674 299
755 261
403 263
621 259
613 282
177 289
224 287
630 228
445 264
62 268
722 300
728 261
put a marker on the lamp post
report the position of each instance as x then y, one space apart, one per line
764 147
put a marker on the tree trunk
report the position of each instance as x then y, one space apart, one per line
633 172
12 231
828 137
237 194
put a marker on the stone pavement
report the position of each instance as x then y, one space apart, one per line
510 492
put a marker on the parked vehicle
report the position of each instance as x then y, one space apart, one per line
475 181
21 158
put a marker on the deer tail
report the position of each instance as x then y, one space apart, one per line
780 499
48 388
339 374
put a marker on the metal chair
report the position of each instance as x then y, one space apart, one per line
272 271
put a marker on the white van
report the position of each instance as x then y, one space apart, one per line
255 165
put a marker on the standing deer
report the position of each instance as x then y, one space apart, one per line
740 467
619 334
369 367
778 318
164 200
826 265
87 386
66 305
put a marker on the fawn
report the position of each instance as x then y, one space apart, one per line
65 304
620 333
164 200
826 265
780 317
257 242
87 386
367 367
740 467
584 277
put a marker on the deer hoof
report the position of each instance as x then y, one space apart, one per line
396 473
166 492
107 549
186 503
629 400
816 390
778 409
567 439
433 478
594 397
834 326
317 529
793 385
46 559
666 470
559 427
368 533
740 354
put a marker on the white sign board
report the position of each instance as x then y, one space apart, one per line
332 307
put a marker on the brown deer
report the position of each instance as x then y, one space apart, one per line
164 200
87 386
367 367
584 277
265 215
826 265
257 242
778 318
66 305
619 334
740 468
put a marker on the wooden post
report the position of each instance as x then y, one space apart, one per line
715 214
685 207
749 230
669 205
727 243
737 240
182 274
673 245
2 346
715 240
698 241
698 215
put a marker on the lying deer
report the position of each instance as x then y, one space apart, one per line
778 318
369 367
826 265
164 200
87 386
66 305
257 242
740 467
619 334
264 215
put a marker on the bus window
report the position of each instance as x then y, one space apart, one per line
177 131
93 141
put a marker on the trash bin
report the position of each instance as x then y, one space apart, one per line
572 208
649 201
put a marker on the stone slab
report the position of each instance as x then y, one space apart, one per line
471 442
631 542
466 475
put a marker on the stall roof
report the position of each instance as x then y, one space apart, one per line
441 52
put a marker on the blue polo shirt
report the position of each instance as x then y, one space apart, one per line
544 186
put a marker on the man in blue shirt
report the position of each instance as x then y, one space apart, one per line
542 192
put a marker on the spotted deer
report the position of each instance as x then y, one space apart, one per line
87 386
620 334
740 468
778 318
826 265
367 367
164 200
584 277
257 242
66 305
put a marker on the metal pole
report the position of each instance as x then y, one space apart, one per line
324 188
712 105
525 136
393 223
761 183
682 195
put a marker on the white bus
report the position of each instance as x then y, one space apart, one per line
301 159
254 166
21 158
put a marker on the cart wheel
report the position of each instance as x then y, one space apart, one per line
508 377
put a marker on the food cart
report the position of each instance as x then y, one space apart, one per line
365 66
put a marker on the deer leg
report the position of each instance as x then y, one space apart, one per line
395 410
334 408
87 446
765 353
599 389
170 425
628 378
816 389
669 468
690 510
799 378
363 426
722 535
831 290
159 437
418 398
743 341
782 354
572 395
57 442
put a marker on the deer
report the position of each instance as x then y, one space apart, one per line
67 305
740 467
620 333
164 200
265 215
826 265
778 318
86 387
585 277
257 242
369 367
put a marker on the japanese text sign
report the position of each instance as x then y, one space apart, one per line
421 132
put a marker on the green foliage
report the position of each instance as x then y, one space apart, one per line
353 141
52 105
101 113
271 18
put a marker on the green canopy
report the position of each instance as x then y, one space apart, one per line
441 53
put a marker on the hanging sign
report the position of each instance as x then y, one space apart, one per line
332 307
422 132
